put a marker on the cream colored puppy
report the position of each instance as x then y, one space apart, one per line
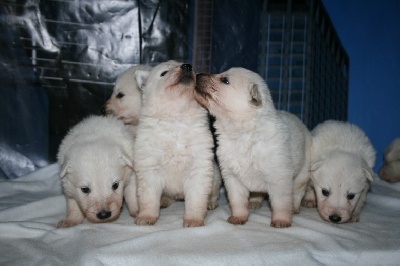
390 170
173 148
260 149
341 170
126 100
96 170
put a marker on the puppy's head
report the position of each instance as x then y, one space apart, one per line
390 171
95 175
339 179
168 86
125 101
236 93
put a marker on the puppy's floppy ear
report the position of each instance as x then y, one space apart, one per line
255 95
367 172
316 165
64 169
141 77
126 161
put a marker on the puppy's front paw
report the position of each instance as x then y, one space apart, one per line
133 213
165 202
192 223
281 223
145 220
355 218
212 205
67 223
309 203
237 220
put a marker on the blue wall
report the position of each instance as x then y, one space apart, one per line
369 31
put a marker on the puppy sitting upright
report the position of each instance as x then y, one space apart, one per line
342 158
260 149
96 170
173 148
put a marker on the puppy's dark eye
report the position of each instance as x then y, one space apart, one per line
325 192
225 80
85 190
115 185
163 74
120 95
350 196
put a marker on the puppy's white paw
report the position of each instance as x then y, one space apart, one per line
145 220
212 205
237 220
253 205
67 223
309 203
165 202
277 223
192 223
355 218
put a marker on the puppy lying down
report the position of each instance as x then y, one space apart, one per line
96 171
260 149
390 170
342 159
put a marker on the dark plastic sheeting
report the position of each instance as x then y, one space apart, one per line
59 60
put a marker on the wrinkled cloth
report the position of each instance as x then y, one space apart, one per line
31 206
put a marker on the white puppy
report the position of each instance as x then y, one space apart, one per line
96 169
342 158
173 148
260 149
390 170
126 100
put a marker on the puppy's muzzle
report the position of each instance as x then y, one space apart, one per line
187 74
335 218
103 215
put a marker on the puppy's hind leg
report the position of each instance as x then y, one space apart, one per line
309 200
256 199
74 215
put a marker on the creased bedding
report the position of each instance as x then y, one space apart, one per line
31 206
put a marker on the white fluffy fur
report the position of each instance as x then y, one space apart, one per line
260 149
173 150
342 162
126 100
96 154
390 170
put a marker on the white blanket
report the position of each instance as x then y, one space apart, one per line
31 206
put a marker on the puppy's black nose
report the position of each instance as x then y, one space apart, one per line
186 67
335 218
104 215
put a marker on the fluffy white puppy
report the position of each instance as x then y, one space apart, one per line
260 149
96 170
390 170
126 100
342 159
173 148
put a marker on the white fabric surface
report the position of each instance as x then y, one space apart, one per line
31 206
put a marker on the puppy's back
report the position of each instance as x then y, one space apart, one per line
96 128
343 136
